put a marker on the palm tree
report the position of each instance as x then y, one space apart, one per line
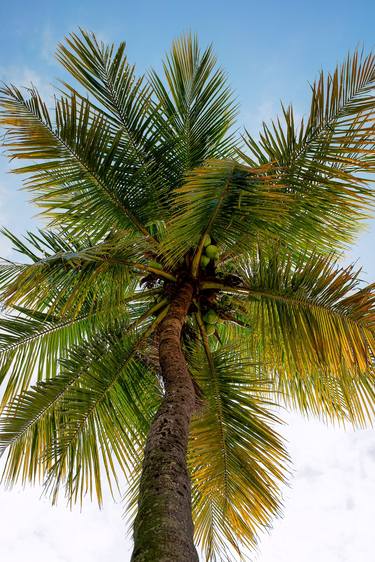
185 285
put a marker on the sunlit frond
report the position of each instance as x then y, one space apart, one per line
197 105
98 407
311 325
236 457
347 399
313 312
233 204
326 160
82 172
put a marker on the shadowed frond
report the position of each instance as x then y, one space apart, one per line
233 204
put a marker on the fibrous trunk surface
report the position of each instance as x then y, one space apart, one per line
163 529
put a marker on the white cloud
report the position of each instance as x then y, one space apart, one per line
26 76
48 44
328 516
34 530
329 505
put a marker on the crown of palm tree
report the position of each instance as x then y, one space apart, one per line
144 184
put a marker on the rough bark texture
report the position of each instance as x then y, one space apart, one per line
163 529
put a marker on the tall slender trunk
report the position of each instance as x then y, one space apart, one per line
163 529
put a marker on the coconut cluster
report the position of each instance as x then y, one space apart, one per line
211 318
211 252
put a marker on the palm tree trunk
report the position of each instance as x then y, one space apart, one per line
163 529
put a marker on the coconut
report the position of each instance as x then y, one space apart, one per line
205 260
154 265
210 329
211 317
212 251
207 240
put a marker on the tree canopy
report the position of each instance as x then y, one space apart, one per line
137 178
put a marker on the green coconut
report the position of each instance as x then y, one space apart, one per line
211 317
154 265
210 329
207 240
205 260
212 251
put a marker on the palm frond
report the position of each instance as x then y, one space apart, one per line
99 406
118 390
314 311
347 399
105 72
126 102
326 161
197 106
33 343
82 170
233 204
313 302
67 272
312 326
237 459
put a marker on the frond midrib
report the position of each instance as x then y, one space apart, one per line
287 300
219 410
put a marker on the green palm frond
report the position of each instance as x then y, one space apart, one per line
105 72
233 204
309 314
237 459
69 290
98 407
110 414
326 161
313 311
197 106
66 272
127 104
33 343
82 173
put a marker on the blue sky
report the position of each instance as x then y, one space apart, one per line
271 51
